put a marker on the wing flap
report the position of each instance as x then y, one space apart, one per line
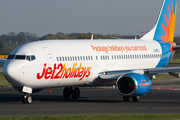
163 70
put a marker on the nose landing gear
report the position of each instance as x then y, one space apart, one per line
27 99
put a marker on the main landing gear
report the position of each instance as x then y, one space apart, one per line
27 99
134 98
68 91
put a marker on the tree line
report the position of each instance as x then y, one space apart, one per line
11 40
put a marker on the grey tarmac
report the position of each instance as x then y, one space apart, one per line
92 101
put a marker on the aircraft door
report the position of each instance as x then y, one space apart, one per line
49 55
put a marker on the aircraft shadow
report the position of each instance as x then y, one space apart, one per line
10 98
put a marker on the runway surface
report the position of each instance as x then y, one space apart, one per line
92 101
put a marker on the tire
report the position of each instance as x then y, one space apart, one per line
24 99
66 93
76 93
28 99
125 98
135 98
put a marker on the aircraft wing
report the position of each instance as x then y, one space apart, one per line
163 70
2 61
111 75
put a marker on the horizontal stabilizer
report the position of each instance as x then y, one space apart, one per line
176 47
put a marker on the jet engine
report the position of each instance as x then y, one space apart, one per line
133 84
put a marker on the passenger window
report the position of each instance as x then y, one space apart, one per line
81 58
105 57
59 58
119 57
96 57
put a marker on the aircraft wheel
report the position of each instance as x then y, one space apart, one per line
125 98
27 99
135 98
24 99
76 93
66 93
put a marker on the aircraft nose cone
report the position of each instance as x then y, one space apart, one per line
11 71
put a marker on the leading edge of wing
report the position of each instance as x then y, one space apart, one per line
111 75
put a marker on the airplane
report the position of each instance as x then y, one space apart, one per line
127 64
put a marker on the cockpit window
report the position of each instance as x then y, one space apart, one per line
28 58
20 57
11 57
33 57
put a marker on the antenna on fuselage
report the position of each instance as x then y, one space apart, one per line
135 37
92 37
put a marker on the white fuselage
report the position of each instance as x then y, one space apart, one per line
77 62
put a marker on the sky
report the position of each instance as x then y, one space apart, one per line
125 17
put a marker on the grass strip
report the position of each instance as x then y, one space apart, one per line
163 77
99 117
175 61
3 81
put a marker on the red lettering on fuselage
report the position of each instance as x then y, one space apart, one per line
61 72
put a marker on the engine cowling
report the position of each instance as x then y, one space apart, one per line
133 84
